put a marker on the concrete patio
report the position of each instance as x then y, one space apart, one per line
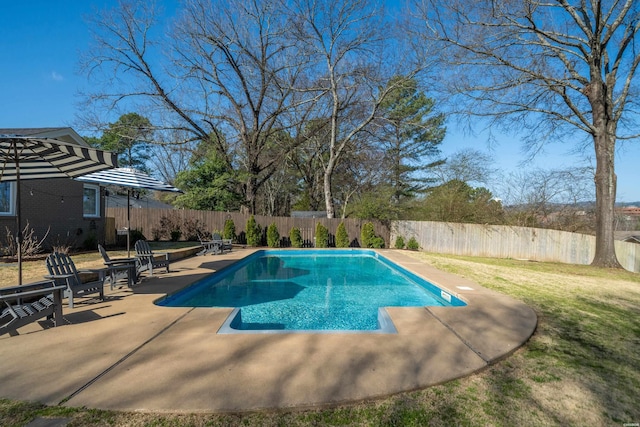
125 353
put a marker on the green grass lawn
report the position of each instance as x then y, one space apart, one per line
581 367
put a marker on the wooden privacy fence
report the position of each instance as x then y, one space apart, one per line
147 219
499 241
441 237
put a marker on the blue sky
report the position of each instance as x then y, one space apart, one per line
40 41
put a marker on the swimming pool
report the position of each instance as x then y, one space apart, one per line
311 290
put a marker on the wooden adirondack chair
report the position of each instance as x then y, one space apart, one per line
62 269
208 246
225 244
120 268
148 260
21 305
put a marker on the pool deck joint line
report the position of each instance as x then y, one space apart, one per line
127 354
464 341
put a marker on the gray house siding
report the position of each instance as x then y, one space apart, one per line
56 205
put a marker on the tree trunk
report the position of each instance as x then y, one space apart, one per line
605 179
328 196
250 194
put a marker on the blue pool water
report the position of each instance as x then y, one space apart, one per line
311 290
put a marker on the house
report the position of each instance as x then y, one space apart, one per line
67 212
627 236
308 214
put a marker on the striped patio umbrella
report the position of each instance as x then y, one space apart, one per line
129 178
24 158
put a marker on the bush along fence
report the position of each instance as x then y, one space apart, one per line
187 225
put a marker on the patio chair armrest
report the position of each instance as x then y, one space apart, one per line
57 276
120 262
101 272
92 270
17 294
118 267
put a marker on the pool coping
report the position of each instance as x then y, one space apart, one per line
127 354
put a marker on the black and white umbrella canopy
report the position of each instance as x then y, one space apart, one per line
129 178
24 158
44 158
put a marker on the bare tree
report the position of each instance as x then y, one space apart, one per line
344 42
169 159
549 69
466 165
554 198
224 67
307 160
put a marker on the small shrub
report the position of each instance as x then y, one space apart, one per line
229 231
273 237
156 233
342 238
170 224
61 249
175 235
31 245
412 244
193 228
399 242
62 244
322 236
367 234
295 237
254 232
135 235
91 242
377 242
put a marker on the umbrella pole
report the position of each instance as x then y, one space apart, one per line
18 213
128 222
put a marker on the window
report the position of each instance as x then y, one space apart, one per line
7 198
91 200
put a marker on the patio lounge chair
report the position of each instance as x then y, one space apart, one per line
225 244
208 246
21 305
147 258
120 268
62 269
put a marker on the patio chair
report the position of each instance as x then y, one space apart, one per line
147 259
21 305
62 269
120 268
208 246
225 244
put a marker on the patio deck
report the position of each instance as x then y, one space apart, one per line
126 353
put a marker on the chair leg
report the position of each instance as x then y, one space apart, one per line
57 312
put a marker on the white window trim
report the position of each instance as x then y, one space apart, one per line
12 202
96 213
